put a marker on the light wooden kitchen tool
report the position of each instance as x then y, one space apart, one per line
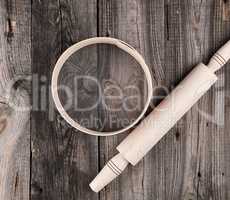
105 40
140 141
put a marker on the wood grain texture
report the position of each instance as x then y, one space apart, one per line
191 162
15 69
188 163
63 160
220 132
128 21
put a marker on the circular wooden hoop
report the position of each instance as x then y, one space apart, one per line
105 40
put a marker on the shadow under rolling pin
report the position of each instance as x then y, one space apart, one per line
141 140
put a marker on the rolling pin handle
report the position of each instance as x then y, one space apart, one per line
220 58
109 172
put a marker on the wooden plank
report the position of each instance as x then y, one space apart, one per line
127 20
189 43
63 160
15 67
219 159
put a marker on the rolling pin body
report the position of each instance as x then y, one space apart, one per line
141 140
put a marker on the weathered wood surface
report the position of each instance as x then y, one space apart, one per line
63 160
191 162
15 70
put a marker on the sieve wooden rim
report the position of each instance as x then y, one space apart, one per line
96 40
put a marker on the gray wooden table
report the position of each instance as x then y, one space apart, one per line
42 158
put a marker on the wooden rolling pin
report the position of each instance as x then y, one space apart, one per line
140 141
